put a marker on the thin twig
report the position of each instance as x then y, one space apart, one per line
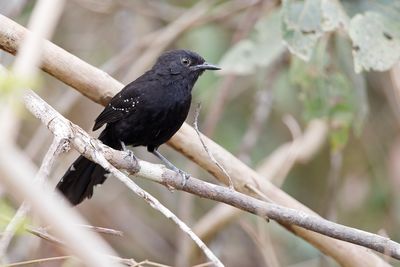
203 264
196 127
103 230
38 261
149 263
42 233
128 262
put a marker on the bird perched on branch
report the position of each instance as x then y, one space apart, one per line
146 112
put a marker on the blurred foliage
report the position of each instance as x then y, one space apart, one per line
326 90
304 22
6 214
12 84
260 50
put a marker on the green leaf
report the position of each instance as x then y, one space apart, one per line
304 22
260 50
301 26
376 41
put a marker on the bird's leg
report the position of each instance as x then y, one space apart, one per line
130 152
185 176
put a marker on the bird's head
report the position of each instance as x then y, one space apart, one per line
184 62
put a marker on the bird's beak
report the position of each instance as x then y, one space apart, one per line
206 66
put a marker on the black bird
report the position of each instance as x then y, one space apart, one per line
146 112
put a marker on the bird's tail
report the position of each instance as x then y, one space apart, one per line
81 177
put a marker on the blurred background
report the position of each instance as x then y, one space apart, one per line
322 73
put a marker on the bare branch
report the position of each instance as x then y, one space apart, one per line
196 127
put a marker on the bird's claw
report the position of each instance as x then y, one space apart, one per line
130 152
185 176
131 155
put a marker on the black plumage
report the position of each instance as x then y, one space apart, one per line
146 112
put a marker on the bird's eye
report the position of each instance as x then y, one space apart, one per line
185 61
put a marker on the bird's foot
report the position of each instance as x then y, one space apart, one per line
131 155
185 176
130 152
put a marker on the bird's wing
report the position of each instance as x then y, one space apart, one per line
128 99
120 105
